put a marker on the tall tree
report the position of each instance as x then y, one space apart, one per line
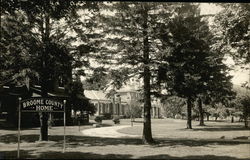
132 35
15 58
98 80
193 68
233 31
242 103
173 106
232 24
51 41
77 99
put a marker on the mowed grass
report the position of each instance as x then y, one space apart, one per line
176 128
217 140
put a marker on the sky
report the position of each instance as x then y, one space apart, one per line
209 8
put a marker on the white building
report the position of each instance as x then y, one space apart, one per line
104 104
123 100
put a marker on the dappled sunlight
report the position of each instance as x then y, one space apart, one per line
177 129
171 136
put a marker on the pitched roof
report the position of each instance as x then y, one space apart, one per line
97 95
36 92
128 88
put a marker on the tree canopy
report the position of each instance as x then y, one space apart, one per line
233 24
193 68
132 36
46 39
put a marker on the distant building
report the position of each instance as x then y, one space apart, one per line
9 95
104 104
156 108
125 98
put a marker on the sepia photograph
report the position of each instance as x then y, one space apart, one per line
124 80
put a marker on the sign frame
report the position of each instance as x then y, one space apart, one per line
43 103
20 101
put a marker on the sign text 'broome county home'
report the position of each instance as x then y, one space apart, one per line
42 105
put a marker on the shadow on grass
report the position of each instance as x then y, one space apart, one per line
88 155
221 128
72 140
92 123
82 155
59 155
106 125
206 157
78 141
197 142
13 154
9 127
12 138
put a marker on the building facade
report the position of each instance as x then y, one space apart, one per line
113 105
121 103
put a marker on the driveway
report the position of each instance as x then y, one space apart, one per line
109 132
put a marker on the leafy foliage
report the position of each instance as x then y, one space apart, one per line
78 100
173 106
133 47
193 68
98 119
242 103
50 23
135 111
233 30
98 80
16 50
116 120
124 37
218 110
50 26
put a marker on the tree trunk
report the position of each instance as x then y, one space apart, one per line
147 133
44 76
44 126
189 113
201 117
67 91
245 116
68 110
232 119
246 122
246 110
207 117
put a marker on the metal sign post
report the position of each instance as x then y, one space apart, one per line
79 125
40 104
78 120
19 126
131 116
64 122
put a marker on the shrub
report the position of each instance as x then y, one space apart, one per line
116 120
107 116
98 119
135 110
178 116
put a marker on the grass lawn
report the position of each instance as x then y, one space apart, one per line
217 140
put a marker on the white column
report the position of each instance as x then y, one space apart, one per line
153 112
98 108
